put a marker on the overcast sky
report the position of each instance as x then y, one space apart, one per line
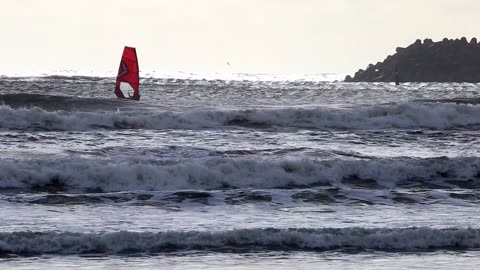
269 36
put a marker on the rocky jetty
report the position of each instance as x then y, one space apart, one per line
428 61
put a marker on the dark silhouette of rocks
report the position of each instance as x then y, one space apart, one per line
428 61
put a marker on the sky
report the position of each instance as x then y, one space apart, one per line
201 36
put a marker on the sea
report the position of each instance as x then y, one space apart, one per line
238 171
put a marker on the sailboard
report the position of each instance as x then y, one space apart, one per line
128 75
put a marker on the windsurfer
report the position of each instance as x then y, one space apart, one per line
128 75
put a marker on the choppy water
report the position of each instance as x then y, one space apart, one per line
246 172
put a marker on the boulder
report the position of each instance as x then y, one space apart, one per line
428 41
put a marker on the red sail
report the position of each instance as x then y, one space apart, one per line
128 75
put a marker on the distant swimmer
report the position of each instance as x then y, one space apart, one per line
397 77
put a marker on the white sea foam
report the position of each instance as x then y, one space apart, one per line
216 173
409 115
403 239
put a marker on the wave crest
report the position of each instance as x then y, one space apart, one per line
409 115
401 239
221 173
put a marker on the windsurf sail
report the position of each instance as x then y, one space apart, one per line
128 75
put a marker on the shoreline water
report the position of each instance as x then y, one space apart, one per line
238 174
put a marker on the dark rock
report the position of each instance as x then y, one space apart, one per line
445 61
427 41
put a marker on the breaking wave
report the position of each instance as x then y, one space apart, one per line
437 116
228 173
401 239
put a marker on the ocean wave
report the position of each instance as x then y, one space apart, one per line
176 200
438 116
232 173
401 239
65 75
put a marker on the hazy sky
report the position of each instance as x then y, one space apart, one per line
270 36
